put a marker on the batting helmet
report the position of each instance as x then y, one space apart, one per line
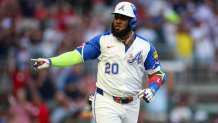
128 9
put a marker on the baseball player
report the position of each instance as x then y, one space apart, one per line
123 58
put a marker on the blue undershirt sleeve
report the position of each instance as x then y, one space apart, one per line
151 61
91 49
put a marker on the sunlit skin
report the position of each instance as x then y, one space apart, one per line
120 23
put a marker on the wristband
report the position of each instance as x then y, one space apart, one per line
49 62
154 87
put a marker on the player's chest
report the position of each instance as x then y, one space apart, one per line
118 51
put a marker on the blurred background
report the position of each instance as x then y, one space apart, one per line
184 32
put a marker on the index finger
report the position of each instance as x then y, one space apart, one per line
34 60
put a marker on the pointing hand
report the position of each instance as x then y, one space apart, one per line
41 63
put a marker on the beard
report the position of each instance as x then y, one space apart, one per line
120 34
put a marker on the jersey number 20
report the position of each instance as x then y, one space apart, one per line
111 68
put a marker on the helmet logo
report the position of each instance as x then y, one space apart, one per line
122 7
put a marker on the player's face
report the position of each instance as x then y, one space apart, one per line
120 22
120 25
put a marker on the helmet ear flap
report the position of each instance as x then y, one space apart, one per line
132 22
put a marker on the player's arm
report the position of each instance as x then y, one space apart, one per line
86 51
155 74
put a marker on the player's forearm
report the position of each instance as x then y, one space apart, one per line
156 80
67 59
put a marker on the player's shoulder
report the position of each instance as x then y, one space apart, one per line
107 33
143 39
105 36
99 36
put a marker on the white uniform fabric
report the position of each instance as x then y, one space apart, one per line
120 74
106 110
128 81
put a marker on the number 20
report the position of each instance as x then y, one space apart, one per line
111 68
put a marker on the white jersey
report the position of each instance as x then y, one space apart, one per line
120 69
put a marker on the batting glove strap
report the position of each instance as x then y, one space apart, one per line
154 87
49 62
153 91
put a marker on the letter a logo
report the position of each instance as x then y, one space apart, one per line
121 8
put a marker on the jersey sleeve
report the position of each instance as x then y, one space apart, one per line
90 49
152 62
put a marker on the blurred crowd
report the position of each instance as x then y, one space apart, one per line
184 30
